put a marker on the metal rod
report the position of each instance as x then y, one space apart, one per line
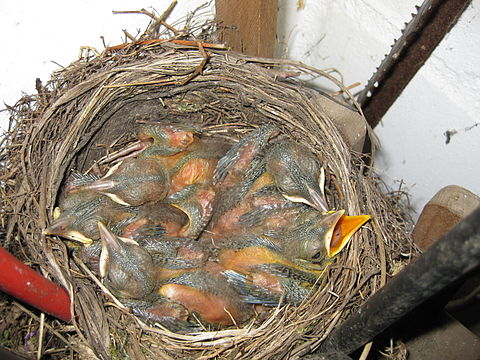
453 255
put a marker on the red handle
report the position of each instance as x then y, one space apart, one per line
29 286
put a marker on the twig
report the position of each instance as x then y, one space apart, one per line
348 87
200 66
41 335
142 12
153 28
153 42
167 12
366 351
35 317
129 36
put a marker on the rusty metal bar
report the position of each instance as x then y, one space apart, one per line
421 36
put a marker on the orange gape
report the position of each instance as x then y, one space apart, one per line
212 308
344 229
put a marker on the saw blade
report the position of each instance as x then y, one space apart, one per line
420 36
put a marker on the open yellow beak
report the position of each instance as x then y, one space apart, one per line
344 229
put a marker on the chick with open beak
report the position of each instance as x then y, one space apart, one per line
265 267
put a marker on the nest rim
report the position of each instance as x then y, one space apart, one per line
85 88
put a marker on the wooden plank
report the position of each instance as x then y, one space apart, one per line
445 210
248 26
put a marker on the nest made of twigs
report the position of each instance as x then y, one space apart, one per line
93 107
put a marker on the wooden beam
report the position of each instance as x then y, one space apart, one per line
444 211
248 26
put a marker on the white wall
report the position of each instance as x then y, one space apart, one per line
352 36
40 36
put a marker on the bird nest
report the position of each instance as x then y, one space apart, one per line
93 107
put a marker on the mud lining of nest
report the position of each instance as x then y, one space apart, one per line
93 107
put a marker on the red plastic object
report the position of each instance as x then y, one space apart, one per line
18 280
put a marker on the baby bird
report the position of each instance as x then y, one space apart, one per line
263 275
246 184
266 267
166 139
126 268
159 140
196 202
242 208
232 167
191 172
131 182
297 173
306 242
288 171
193 165
207 294
129 271
77 216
